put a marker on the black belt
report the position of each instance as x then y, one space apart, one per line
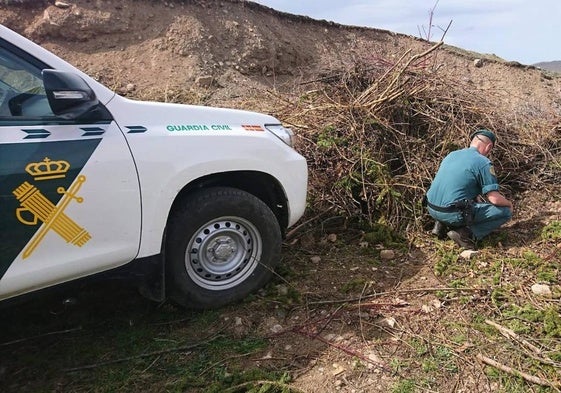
447 209
458 206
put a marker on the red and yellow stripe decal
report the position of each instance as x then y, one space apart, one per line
248 127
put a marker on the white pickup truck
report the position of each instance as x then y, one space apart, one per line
196 199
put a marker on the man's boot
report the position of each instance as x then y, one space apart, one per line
462 237
439 229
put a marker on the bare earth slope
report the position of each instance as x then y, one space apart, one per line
241 45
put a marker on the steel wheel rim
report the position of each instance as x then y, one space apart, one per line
223 253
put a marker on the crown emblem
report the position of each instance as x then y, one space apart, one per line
47 169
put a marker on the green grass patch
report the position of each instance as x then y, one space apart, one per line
404 386
355 285
446 260
380 233
551 231
552 321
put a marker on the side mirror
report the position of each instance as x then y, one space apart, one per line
68 94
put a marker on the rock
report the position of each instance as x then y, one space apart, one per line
478 63
373 357
241 328
433 304
332 237
315 259
436 303
467 254
337 369
390 322
130 87
387 254
62 4
542 290
330 337
276 328
204 81
282 290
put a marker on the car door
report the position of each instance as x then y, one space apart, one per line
69 192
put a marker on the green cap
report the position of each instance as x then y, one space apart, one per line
487 133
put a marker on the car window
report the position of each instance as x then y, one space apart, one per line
22 94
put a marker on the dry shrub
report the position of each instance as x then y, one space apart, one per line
375 135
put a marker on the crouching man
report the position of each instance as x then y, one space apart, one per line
464 194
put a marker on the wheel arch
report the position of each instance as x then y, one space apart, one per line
261 185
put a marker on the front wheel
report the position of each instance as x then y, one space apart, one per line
222 244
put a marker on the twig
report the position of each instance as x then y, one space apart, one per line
142 355
508 333
40 335
512 335
517 373
223 361
274 383
371 305
445 31
348 351
290 234
328 321
553 254
151 364
309 327
356 299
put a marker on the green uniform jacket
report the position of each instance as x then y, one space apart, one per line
463 174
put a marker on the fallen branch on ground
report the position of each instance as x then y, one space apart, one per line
357 299
40 336
537 353
281 385
517 373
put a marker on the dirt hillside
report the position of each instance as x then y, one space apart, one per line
239 49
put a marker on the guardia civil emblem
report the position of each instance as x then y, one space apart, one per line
36 207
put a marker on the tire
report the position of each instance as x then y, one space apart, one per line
222 244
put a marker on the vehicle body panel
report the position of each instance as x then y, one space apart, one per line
79 198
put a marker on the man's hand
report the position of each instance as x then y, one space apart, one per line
497 199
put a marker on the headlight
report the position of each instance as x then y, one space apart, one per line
283 133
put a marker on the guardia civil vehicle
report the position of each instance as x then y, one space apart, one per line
196 199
